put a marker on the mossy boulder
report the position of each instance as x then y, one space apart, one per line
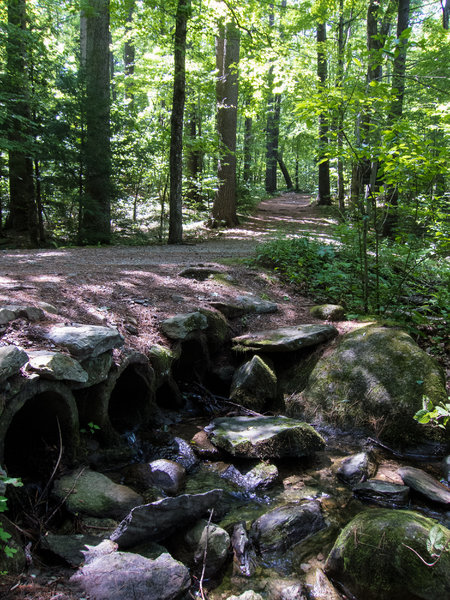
254 384
329 312
382 554
375 378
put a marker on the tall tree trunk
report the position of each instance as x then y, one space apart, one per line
324 194
284 170
22 203
227 59
396 109
96 208
176 125
342 39
129 55
194 163
445 13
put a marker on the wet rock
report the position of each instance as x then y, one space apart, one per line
285 339
85 341
204 448
254 385
184 327
185 455
374 379
123 575
69 547
248 595
244 305
95 494
425 485
167 475
328 312
264 437
357 468
382 554
382 492
214 539
446 468
56 366
258 477
284 589
320 587
158 520
244 556
12 360
279 529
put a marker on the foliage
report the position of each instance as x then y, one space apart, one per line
4 535
436 415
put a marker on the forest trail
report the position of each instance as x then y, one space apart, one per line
135 287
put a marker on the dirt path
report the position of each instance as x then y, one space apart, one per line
134 288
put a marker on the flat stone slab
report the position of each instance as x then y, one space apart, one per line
244 305
11 361
182 327
56 366
425 484
382 492
85 341
285 339
264 437
158 520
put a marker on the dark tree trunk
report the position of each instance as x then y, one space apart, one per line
129 56
96 211
284 170
445 13
248 138
194 163
342 39
22 203
324 194
227 59
272 137
176 125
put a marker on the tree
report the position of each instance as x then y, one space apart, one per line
324 193
176 124
95 222
227 59
22 204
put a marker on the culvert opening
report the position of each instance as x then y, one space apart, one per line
129 402
168 396
33 440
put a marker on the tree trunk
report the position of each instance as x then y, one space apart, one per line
96 211
287 177
194 163
324 194
22 203
176 125
342 39
227 59
248 138
445 13
129 56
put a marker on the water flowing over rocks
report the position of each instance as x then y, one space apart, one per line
264 437
382 554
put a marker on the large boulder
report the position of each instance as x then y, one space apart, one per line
244 304
382 554
94 494
56 366
384 493
264 437
285 339
425 485
123 575
279 529
357 468
158 520
11 361
85 341
204 545
254 385
184 326
374 379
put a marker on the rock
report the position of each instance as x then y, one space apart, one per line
375 379
184 327
69 547
12 360
382 492
217 543
158 520
279 529
254 385
328 312
320 587
96 526
49 308
161 359
248 595
425 485
357 468
258 477
95 494
97 368
167 475
244 305
100 549
446 468
56 366
85 341
244 556
16 563
285 339
264 437
204 448
123 575
185 455
6 315
218 331
31 313
201 272
284 589
381 555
